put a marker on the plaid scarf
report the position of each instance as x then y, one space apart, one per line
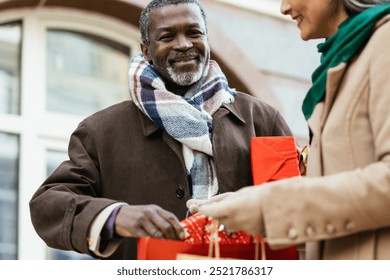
188 118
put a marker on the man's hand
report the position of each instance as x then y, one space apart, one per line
147 220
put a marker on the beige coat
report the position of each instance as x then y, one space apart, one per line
344 203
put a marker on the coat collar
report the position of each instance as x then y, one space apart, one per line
149 127
232 108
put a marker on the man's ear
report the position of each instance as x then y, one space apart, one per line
145 51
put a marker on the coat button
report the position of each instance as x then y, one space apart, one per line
180 192
292 233
349 226
310 231
330 229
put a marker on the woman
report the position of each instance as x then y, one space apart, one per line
340 209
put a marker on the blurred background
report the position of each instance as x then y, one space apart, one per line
62 60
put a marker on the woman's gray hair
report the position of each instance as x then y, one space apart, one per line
154 4
356 6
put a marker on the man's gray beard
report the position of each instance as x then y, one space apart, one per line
186 78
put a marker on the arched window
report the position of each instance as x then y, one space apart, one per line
57 66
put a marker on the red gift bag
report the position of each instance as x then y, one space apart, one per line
275 158
201 232
163 249
204 241
198 227
238 245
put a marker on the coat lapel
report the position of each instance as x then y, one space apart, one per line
149 127
319 116
334 77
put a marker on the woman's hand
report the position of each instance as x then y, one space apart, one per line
241 210
193 204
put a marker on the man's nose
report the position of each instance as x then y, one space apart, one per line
285 7
183 42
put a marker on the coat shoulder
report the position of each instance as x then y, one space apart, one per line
244 100
117 112
266 119
380 39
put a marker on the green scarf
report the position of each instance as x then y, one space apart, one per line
350 37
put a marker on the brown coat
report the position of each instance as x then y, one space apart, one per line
348 208
118 154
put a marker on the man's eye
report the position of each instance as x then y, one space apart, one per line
166 37
195 33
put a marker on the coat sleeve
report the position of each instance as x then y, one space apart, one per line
267 120
280 127
64 206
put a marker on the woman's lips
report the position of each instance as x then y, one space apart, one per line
298 19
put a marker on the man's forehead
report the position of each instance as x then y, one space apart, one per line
167 16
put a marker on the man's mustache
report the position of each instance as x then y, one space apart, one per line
172 58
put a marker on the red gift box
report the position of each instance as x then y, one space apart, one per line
275 158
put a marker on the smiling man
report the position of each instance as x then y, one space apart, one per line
132 167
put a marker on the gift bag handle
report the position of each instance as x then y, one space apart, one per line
214 244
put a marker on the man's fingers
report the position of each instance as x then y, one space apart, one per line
148 220
169 225
134 232
151 227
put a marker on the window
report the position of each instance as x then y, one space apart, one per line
84 72
57 66
10 43
10 54
9 154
